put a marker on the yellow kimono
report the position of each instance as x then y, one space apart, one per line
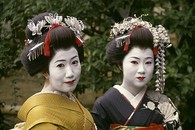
54 112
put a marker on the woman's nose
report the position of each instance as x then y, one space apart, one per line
141 69
69 72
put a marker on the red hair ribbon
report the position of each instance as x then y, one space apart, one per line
139 26
155 51
79 41
127 42
126 47
47 40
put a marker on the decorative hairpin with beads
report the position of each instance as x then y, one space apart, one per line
52 21
161 41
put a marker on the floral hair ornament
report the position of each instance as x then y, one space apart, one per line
52 21
161 41
77 26
36 29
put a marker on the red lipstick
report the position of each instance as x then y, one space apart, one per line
69 82
141 78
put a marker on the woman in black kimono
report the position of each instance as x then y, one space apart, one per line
136 48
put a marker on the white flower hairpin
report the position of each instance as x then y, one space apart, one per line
76 25
36 29
54 19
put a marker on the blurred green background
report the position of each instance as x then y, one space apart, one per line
178 16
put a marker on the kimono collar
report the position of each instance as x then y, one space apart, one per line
134 100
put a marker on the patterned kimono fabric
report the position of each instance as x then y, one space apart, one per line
148 110
54 112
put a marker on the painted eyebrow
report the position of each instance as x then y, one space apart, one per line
138 58
135 57
65 60
148 57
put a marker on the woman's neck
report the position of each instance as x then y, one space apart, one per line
132 89
47 88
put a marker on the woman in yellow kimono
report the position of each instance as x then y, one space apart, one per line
53 47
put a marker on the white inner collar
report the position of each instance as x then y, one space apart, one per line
134 100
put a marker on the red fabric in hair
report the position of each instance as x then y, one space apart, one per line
126 47
47 40
155 51
79 42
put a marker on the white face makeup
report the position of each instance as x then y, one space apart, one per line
138 66
64 70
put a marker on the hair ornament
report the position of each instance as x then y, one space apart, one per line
52 21
79 41
36 29
35 51
27 42
161 41
77 26
119 40
47 40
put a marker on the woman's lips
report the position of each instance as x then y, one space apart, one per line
140 78
70 82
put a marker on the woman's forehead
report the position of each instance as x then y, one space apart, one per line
65 54
139 51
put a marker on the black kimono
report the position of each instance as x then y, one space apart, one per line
152 107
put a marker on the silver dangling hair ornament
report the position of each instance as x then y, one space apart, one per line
161 41
51 21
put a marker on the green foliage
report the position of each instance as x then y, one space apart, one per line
96 71
98 16
180 82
